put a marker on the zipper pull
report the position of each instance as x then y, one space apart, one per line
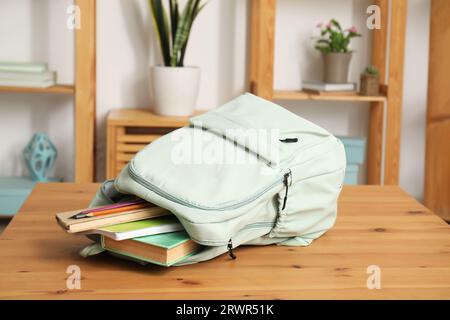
286 184
289 140
230 250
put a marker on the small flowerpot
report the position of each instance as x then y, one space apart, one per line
370 85
175 90
336 65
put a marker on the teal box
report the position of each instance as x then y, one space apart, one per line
355 149
13 193
351 174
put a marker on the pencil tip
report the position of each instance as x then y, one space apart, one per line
79 215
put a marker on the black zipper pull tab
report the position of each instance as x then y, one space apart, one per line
286 184
289 140
230 249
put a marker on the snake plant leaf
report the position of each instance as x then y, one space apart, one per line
162 28
173 40
182 33
197 10
174 16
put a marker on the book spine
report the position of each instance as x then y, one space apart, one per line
30 84
27 76
23 68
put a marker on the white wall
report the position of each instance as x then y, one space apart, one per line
126 47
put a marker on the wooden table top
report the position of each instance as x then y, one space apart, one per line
380 226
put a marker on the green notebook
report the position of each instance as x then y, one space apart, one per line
162 249
129 230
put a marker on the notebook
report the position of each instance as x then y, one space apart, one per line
74 225
162 249
332 93
140 228
27 83
322 86
22 66
28 76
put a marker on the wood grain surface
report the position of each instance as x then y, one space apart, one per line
376 225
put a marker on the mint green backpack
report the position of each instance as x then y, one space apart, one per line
249 172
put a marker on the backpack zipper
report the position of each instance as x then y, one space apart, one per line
286 184
249 226
136 177
230 249
289 140
255 225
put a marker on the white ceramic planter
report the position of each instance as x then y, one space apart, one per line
175 90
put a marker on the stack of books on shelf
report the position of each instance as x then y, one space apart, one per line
135 229
25 74
323 88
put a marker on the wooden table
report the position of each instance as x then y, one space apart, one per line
380 226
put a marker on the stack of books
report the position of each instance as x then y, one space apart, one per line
135 229
323 88
23 74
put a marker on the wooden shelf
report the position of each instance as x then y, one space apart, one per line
60 89
145 117
303 95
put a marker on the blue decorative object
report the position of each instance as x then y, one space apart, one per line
40 156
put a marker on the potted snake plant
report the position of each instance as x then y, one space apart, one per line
333 45
174 85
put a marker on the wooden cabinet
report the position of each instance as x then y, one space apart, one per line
130 130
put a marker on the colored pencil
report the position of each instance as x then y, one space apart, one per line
137 206
113 206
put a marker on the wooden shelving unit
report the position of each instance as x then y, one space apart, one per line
390 64
83 92
303 95
59 89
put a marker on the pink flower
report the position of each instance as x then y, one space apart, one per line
319 25
353 29
329 25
